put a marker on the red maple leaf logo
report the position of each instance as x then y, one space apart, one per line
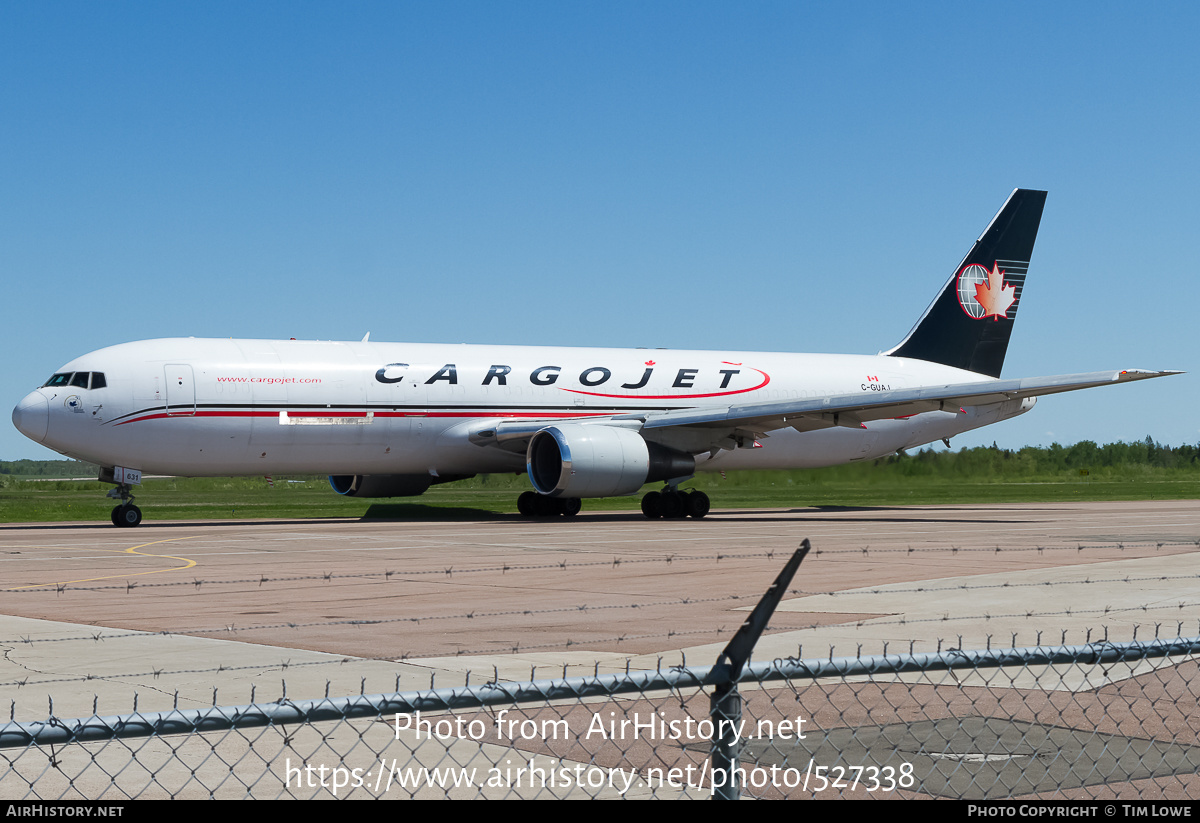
649 362
995 296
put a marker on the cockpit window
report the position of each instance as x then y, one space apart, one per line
61 379
78 379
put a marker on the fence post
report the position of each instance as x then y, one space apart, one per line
726 716
725 710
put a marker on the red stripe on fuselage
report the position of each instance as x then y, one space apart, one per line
531 415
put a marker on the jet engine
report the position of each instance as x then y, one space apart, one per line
599 461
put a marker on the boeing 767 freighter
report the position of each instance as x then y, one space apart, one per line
392 419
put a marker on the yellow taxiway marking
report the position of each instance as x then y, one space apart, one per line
131 550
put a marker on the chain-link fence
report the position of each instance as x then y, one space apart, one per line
1097 721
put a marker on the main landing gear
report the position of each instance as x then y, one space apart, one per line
668 504
125 515
532 504
672 503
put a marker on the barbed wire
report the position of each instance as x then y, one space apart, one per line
563 565
686 601
1006 585
575 644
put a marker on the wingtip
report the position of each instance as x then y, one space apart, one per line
1146 374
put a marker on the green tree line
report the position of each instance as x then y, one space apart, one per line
982 461
48 468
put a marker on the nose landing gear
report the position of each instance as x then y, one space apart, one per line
125 515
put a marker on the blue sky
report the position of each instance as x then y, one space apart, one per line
766 176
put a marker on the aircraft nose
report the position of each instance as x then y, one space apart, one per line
32 416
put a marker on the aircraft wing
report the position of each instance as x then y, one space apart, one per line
851 410
854 410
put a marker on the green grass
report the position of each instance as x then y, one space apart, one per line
888 483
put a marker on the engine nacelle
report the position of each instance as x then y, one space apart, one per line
387 485
599 461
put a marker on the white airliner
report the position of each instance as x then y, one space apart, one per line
392 419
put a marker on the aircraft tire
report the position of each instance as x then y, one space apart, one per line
673 505
544 506
697 504
127 516
526 503
651 505
570 506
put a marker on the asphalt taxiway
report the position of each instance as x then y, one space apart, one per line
175 610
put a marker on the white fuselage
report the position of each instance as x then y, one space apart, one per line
206 407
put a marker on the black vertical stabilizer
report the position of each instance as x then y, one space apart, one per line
969 323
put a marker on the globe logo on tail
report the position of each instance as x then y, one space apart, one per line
983 293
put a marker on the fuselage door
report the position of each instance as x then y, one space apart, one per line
181 389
